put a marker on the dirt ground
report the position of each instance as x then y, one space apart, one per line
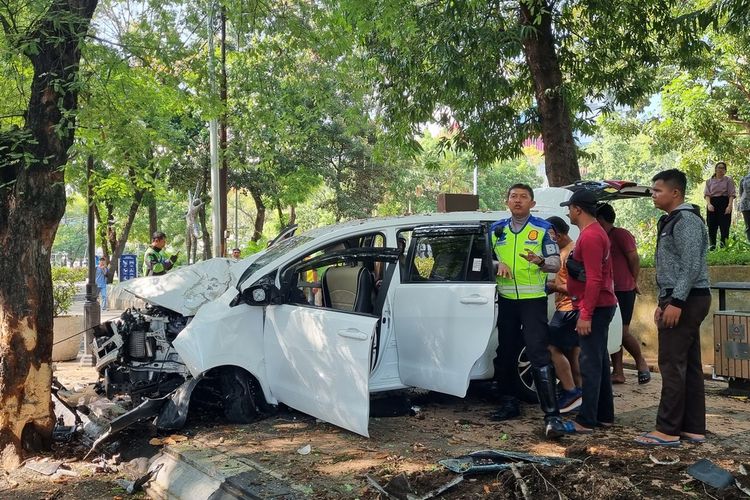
405 451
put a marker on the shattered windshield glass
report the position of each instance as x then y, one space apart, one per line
271 253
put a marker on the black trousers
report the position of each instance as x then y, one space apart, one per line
718 220
518 322
682 407
746 216
598 404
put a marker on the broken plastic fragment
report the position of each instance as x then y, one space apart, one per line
706 471
494 460
305 450
665 461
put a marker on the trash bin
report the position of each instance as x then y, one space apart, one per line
731 343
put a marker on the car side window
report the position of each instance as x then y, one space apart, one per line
449 257
351 279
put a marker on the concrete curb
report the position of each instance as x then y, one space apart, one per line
195 471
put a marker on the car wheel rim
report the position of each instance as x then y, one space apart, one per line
524 371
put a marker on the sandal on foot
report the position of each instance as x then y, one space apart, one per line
648 439
644 377
695 439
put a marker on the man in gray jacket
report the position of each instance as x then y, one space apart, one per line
684 301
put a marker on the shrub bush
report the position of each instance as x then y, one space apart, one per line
736 253
64 287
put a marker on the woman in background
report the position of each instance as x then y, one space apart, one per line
720 195
745 202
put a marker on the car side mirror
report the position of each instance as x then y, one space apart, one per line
259 294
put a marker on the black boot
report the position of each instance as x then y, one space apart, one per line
508 408
545 382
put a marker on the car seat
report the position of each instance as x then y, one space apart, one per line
348 288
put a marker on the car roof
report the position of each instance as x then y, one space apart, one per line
547 203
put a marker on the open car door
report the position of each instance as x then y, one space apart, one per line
318 358
444 307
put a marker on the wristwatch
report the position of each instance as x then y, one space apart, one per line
541 261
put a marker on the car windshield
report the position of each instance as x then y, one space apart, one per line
271 253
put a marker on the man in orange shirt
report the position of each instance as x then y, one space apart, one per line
563 338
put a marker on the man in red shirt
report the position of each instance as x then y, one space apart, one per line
591 288
625 268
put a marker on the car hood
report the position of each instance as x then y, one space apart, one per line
185 289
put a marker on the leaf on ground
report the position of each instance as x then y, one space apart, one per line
174 439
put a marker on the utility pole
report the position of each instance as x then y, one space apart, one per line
223 191
213 128
91 310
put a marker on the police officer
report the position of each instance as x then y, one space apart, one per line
525 252
155 261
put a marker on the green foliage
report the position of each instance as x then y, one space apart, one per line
254 247
64 287
464 62
437 168
736 253
622 150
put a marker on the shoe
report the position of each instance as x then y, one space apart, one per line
644 377
509 408
648 439
570 400
571 427
555 427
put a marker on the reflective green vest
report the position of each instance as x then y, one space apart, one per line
154 262
529 279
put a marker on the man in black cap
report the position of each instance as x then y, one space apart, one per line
591 288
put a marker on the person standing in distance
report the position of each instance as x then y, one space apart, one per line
720 194
745 202
101 280
591 287
525 252
626 265
155 261
684 301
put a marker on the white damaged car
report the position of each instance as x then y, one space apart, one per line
321 320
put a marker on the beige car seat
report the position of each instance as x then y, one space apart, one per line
348 288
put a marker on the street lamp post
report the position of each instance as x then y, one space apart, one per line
91 310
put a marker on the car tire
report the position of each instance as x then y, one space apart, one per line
242 399
524 380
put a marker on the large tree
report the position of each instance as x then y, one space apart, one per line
49 35
501 71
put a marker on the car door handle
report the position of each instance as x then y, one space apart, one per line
353 333
474 299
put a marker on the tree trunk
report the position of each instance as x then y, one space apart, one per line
152 219
280 212
32 202
292 215
260 215
560 158
206 235
119 244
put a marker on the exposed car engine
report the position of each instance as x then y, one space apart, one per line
135 356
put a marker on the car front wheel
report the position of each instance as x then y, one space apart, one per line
242 399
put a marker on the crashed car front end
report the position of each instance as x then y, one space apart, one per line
139 366
135 356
